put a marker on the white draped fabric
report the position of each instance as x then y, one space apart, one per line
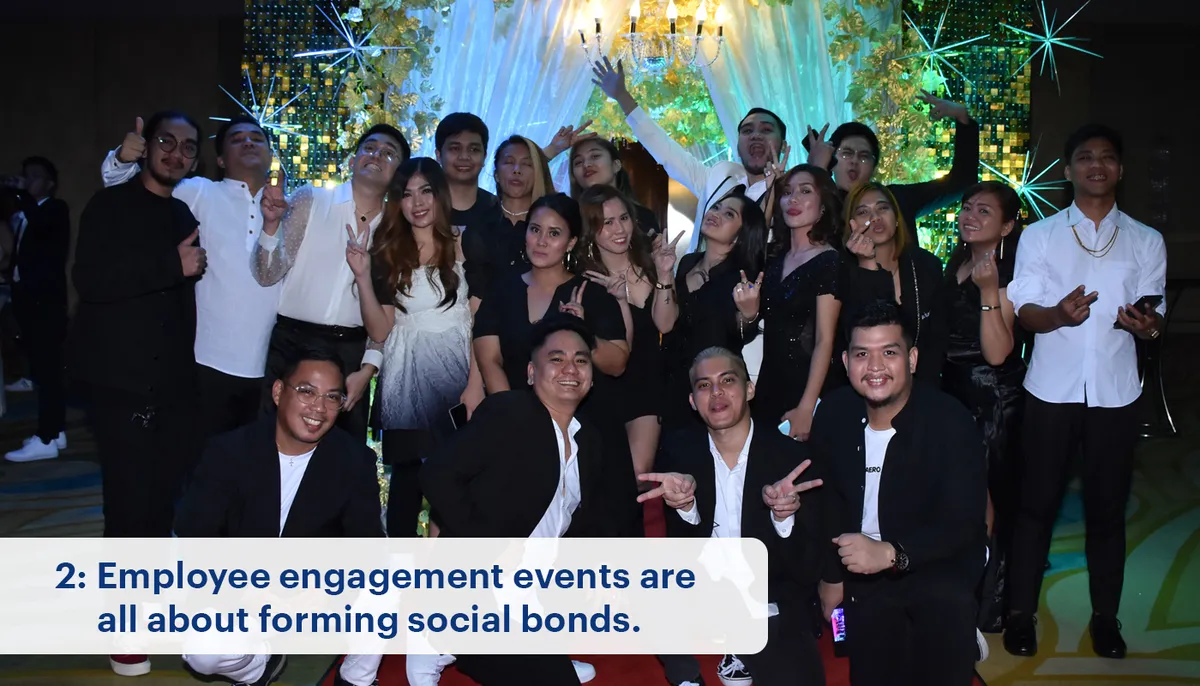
521 69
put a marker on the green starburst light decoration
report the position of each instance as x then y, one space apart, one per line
1028 188
934 55
1048 39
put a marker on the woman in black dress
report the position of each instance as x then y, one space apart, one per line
716 302
597 162
800 301
884 265
617 256
516 302
984 368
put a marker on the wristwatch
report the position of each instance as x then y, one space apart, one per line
900 564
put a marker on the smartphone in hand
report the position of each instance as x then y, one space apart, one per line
458 416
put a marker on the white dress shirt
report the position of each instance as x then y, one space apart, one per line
309 249
708 184
557 518
877 445
291 473
730 490
234 314
1092 362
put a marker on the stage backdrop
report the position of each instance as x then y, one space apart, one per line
518 66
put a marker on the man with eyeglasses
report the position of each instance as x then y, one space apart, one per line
234 315
131 343
303 245
852 155
291 475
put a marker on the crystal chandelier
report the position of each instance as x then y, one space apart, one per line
651 49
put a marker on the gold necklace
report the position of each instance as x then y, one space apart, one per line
1100 252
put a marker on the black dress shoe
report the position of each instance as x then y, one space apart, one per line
1020 635
339 681
1106 637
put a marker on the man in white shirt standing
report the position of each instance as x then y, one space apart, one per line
761 136
234 314
318 306
1083 378
729 482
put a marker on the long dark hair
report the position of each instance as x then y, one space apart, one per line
396 246
827 229
564 206
591 208
620 180
1010 211
750 246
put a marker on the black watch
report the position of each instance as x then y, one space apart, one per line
901 562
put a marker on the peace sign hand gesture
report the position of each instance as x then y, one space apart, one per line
575 307
820 152
356 255
617 284
777 167
677 490
783 496
746 296
663 253
567 137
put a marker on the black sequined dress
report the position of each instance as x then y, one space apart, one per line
789 306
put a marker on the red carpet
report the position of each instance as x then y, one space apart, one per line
622 670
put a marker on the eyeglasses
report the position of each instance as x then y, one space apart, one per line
372 149
848 154
168 143
309 396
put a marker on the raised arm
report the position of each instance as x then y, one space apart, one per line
281 237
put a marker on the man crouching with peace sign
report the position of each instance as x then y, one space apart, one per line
740 480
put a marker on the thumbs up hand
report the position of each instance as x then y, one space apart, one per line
133 148
192 257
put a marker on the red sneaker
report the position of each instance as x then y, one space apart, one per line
130 665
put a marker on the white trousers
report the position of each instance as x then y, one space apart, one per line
359 670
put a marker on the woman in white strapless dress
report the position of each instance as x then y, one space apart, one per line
413 292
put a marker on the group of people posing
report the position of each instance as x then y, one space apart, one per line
548 362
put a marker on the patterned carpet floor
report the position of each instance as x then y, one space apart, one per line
1160 608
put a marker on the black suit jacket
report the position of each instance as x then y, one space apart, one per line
235 490
42 250
932 491
794 562
135 326
497 475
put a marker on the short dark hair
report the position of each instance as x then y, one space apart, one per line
878 313
223 132
559 321
739 364
456 123
1086 133
296 356
44 163
156 120
387 130
761 110
854 128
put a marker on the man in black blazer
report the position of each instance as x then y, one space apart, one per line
481 485
905 494
292 474
738 480
43 239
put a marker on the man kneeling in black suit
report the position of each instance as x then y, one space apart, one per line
738 480
291 474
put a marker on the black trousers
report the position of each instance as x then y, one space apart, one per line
1053 433
790 657
348 343
144 453
519 670
404 449
42 319
906 632
227 402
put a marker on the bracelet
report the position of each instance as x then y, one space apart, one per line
664 286
989 308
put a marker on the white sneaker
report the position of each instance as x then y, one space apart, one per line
33 451
20 386
61 441
981 642
426 670
584 671
129 665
